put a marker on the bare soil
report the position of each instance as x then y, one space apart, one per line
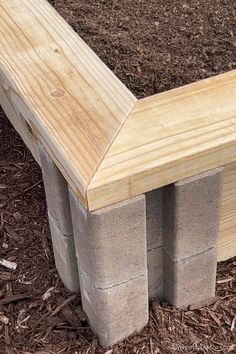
34 317
157 45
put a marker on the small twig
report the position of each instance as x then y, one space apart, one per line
14 298
32 187
48 293
58 326
59 308
222 281
8 264
233 324
214 317
2 221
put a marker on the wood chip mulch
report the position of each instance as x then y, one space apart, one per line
37 314
157 45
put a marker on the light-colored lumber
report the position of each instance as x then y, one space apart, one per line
19 123
169 137
73 103
227 241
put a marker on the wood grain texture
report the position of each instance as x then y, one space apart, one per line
169 137
19 124
227 241
74 104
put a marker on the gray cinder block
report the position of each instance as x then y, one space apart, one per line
60 221
192 214
190 234
190 280
155 273
65 258
110 242
154 213
56 189
154 228
112 257
115 313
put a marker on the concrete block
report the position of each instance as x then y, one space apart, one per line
154 213
57 194
116 312
65 258
155 273
190 280
112 257
111 242
192 214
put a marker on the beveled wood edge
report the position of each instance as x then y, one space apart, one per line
101 194
117 99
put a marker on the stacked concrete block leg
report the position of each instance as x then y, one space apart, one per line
112 258
60 222
191 228
154 212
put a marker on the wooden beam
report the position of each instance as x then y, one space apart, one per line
19 123
169 137
72 102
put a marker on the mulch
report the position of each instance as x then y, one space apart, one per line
157 45
38 315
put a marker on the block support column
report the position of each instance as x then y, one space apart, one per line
154 212
59 215
191 228
111 253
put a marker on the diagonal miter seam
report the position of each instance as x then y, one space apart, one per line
109 147
80 187
210 82
40 136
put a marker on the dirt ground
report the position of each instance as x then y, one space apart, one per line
156 45
32 319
